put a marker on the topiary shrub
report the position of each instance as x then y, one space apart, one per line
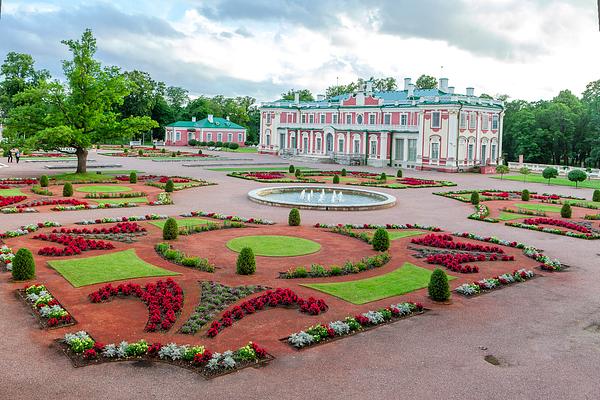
294 217
23 265
133 177
234 146
596 195
163 150
336 179
525 195
399 174
68 190
173 155
246 263
192 142
169 186
381 240
44 181
577 175
438 288
383 177
344 172
199 151
140 152
170 229
298 173
566 211
475 198
292 169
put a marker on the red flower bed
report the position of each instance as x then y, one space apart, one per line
265 175
165 179
4 187
54 202
163 298
125 178
447 242
557 222
8 200
504 195
24 181
73 245
121 227
416 182
270 298
545 197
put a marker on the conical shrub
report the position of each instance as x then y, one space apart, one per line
68 190
170 229
23 265
381 240
439 289
246 262
294 217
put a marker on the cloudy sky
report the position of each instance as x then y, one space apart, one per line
527 49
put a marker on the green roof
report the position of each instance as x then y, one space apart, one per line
217 123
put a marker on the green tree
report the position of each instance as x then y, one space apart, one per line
305 95
566 211
81 112
170 186
68 190
381 240
170 229
524 171
475 198
44 181
596 195
502 169
133 177
577 175
549 173
439 289
246 262
525 195
23 265
294 217
426 82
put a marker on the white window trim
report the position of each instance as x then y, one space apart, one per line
387 116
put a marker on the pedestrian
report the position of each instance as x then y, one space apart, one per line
10 158
17 155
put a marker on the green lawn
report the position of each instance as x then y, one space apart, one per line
403 280
560 181
103 189
588 202
507 216
183 222
274 246
539 207
399 234
49 158
90 177
119 171
121 200
106 268
11 192
257 169
240 150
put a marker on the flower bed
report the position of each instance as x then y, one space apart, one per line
270 177
8 200
18 210
163 298
224 217
210 226
180 258
48 311
319 271
592 217
580 233
523 211
216 297
271 298
83 350
26 229
162 199
41 191
180 182
447 242
125 232
117 195
54 202
147 217
482 213
347 230
94 206
485 285
6 257
557 222
73 245
18 181
324 333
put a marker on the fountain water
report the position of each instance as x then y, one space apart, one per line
303 194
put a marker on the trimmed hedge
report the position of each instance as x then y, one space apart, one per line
170 229
246 262
439 289
381 240
44 181
294 217
169 186
133 177
68 190
525 195
596 195
23 265
336 179
566 211
475 198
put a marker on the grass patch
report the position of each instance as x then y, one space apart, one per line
183 222
399 234
560 181
403 280
103 189
539 207
11 192
122 201
90 177
120 171
588 202
274 245
240 150
106 268
507 216
257 169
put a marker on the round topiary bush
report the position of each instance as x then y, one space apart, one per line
344 172
292 169
169 186
44 181
297 173
381 240
68 190
475 198
525 195
140 152
234 146
199 151
133 177
246 263
438 288
294 217
23 265
170 229
596 195
336 179
566 211
163 150
383 177
399 174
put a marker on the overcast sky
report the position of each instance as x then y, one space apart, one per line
526 49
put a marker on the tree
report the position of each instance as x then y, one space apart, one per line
305 95
133 177
439 289
549 173
170 186
399 174
291 169
525 196
576 175
566 211
502 169
79 113
68 190
475 198
23 265
336 179
246 262
381 240
596 195
294 217
524 171
379 85
44 181
426 82
170 229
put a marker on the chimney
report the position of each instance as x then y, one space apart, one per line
193 119
470 91
406 83
296 97
411 90
444 85
451 89
320 97
210 118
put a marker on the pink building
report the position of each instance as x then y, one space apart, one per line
410 128
210 129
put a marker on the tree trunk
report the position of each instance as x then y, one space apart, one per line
81 160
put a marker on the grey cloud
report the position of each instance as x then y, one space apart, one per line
244 32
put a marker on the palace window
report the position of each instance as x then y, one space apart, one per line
470 152
435 119
303 118
387 119
371 119
472 120
311 118
463 120
322 117
495 121
177 136
209 137
359 119
334 118
485 122
493 154
340 145
435 151
268 118
240 137
356 146
412 150
319 144
219 137
373 152
403 119
348 118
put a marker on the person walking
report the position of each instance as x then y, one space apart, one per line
9 157
17 155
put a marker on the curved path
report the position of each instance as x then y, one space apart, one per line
544 333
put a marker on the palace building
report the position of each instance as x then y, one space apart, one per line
411 128
210 129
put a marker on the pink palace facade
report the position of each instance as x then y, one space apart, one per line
209 129
411 128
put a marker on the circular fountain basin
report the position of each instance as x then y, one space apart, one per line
322 198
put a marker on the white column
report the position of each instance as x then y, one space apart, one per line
500 134
452 137
384 145
420 137
405 155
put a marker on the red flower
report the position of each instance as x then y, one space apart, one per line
90 354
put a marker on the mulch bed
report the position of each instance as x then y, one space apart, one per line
22 296
77 361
